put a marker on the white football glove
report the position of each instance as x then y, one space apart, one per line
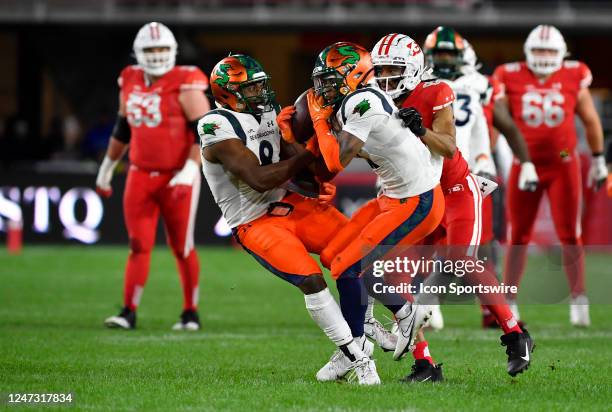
187 175
105 175
484 167
598 172
528 178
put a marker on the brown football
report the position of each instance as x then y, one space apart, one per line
301 124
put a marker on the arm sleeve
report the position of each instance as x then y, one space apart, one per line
214 128
195 79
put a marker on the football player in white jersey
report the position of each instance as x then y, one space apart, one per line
242 160
353 120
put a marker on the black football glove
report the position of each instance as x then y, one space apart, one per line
411 118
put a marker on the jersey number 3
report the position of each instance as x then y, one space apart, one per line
464 101
543 108
144 109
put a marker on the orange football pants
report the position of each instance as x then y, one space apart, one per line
282 244
380 225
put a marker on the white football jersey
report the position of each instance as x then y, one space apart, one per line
399 158
472 91
239 202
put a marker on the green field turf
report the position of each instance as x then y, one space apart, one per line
258 349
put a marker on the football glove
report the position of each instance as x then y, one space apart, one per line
185 178
412 119
284 123
598 172
105 175
528 178
327 192
485 167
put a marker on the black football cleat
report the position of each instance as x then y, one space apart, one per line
189 321
519 347
423 371
126 319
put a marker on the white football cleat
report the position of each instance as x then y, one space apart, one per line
436 322
364 370
579 311
190 320
514 308
126 319
339 365
375 330
410 319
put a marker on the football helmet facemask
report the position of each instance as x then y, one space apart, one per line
549 40
339 70
239 83
405 53
444 49
155 49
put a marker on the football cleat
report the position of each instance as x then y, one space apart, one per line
579 311
519 347
126 319
364 371
424 371
410 318
375 330
189 321
339 365
436 321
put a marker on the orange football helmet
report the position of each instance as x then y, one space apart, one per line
239 83
342 67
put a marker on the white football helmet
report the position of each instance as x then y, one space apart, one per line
398 50
152 35
545 37
469 55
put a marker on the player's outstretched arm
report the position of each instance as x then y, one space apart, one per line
594 135
317 168
243 163
502 120
440 138
350 145
117 146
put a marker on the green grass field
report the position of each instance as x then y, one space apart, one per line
258 349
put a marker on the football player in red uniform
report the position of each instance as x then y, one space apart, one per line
159 106
543 93
427 111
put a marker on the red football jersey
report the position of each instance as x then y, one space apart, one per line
429 97
161 137
544 110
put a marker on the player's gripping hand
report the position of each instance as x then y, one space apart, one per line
284 123
319 113
528 178
328 145
184 179
484 167
598 172
105 175
327 192
412 119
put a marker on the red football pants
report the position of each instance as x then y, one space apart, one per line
563 186
147 194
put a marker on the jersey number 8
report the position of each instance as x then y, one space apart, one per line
543 108
144 108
